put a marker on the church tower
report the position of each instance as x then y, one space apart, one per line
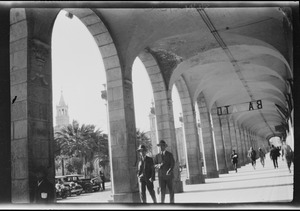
62 114
153 130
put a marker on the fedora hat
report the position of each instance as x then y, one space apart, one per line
141 147
162 142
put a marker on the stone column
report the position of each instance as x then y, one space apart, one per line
194 165
166 131
220 145
238 145
31 115
123 145
207 137
192 144
227 141
246 145
242 145
5 108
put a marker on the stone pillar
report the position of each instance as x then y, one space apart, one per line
227 141
232 135
5 108
238 145
192 144
123 145
194 165
31 116
242 145
166 131
246 144
220 146
207 137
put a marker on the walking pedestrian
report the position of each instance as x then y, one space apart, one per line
234 159
102 177
252 156
146 175
287 154
164 162
274 154
262 156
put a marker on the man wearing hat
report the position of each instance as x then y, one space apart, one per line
164 162
146 175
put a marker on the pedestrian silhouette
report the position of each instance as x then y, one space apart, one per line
234 159
146 175
252 156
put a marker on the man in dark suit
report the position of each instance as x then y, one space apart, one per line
146 175
164 162
44 192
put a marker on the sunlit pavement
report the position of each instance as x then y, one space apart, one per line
246 186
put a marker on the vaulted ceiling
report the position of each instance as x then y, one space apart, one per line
232 56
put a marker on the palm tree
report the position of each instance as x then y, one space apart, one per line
143 139
75 141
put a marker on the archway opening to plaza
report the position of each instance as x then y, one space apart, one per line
79 98
180 132
145 120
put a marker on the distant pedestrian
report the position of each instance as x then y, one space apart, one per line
146 175
44 190
102 177
287 154
274 154
234 159
262 156
252 156
164 162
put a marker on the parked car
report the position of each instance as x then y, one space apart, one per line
72 184
62 191
96 183
87 184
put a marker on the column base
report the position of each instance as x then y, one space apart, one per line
196 179
230 168
223 171
126 197
177 187
212 174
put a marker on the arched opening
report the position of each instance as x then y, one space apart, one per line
180 132
202 155
78 76
145 120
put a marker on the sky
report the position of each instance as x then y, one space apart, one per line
78 72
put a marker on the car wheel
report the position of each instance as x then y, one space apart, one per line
89 189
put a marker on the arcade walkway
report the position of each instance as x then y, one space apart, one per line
246 186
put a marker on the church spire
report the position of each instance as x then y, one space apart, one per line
62 101
62 116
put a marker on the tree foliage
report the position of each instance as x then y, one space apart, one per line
142 138
80 142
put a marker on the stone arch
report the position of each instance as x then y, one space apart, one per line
122 131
